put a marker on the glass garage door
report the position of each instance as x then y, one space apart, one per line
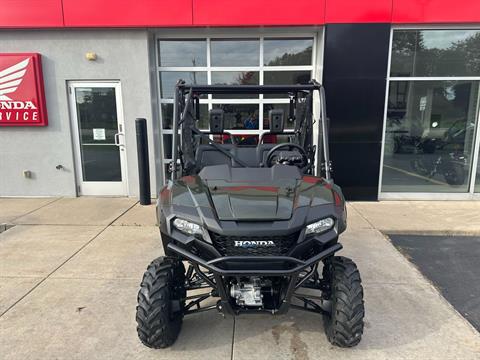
431 140
255 60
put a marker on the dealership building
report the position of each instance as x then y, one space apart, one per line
401 77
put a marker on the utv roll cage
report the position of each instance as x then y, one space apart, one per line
186 115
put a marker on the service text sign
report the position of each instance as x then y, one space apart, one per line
22 96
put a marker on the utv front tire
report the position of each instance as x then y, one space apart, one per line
160 303
344 323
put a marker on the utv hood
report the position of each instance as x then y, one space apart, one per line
251 201
252 194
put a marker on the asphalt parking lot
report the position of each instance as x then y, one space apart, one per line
452 263
70 270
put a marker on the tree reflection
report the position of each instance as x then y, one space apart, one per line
288 59
416 53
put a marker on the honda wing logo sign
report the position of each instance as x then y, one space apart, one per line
22 97
11 77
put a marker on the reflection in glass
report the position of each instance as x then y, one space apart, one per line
429 137
285 78
240 116
101 163
168 80
277 139
235 78
166 167
96 109
435 53
167 146
97 122
240 140
287 52
167 116
183 52
203 123
238 52
289 123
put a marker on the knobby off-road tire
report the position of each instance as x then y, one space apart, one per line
160 303
344 325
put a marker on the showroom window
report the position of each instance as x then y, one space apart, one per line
431 141
252 60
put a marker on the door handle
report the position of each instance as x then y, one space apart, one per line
117 139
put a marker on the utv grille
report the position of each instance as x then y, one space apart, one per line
254 245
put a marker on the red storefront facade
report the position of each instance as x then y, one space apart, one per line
188 13
402 80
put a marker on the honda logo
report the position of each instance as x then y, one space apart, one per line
22 100
253 243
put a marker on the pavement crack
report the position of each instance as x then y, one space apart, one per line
362 216
53 271
41 207
63 263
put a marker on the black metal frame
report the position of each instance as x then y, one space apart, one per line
248 89
303 275
310 303
186 96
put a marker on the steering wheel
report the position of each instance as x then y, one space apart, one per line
303 153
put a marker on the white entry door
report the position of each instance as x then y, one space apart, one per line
99 139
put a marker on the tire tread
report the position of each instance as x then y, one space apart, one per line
344 326
157 326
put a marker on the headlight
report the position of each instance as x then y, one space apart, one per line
187 227
320 226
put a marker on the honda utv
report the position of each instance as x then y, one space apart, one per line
246 224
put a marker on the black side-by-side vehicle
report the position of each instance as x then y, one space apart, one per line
252 217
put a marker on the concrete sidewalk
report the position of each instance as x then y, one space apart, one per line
70 270
422 217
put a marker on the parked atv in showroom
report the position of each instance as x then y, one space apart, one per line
252 222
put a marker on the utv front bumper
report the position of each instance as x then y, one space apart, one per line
255 265
303 253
